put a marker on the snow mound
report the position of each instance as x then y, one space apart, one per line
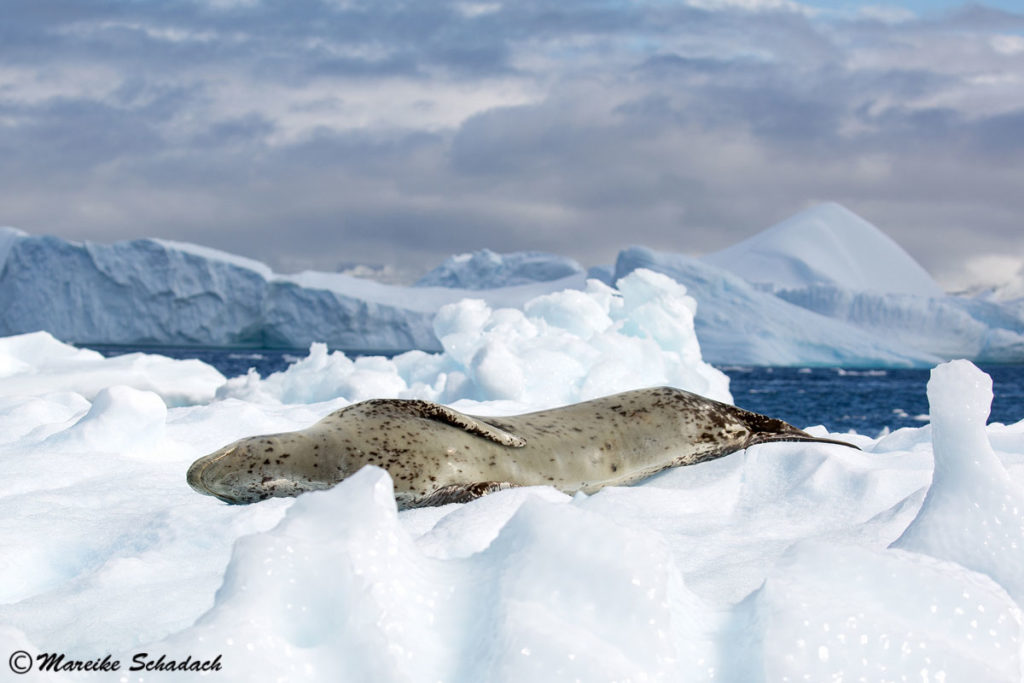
486 269
974 512
833 612
769 564
826 244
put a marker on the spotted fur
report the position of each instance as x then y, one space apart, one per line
437 455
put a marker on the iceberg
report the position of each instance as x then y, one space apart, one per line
872 304
826 244
158 292
946 327
823 288
486 269
738 323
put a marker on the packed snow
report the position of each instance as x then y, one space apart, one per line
788 561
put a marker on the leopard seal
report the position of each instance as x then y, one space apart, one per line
437 455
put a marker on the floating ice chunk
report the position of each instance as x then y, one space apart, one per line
459 326
830 612
498 372
579 313
974 512
563 347
320 376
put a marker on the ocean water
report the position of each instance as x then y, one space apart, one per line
863 400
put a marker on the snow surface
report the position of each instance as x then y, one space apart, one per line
783 562
486 269
826 244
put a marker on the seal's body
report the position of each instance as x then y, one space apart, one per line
437 455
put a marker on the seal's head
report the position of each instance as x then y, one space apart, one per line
251 470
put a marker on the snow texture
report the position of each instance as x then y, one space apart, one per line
766 565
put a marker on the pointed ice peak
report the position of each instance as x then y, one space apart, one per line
826 244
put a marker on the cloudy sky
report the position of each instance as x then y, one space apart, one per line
307 133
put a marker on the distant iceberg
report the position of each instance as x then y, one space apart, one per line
824 287
486 269
828 245
739 324
832 262
157 292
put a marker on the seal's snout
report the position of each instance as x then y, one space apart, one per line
194 476
249 471
202 474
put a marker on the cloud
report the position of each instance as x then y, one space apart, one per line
311 133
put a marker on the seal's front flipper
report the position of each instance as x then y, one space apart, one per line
461 493
473 425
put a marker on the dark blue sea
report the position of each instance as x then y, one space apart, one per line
866 401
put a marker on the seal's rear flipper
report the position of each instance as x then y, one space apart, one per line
461 493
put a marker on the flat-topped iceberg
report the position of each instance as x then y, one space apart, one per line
155 292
